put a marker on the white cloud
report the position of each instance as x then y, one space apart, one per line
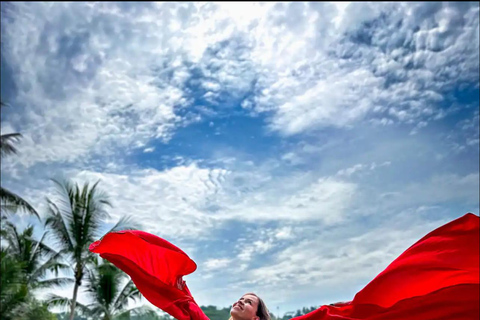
446 187
259 196
292 158
468 135
382 71
97 93
441 190
284 233
309 65
335 100
249 249
74 71
359 167
188 200
160 200
327 199
349 171
214 264
215 195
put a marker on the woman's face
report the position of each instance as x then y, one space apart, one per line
245 308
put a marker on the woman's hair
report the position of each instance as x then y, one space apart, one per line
262 311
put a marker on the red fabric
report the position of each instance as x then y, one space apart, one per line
156 267
459 302
436 278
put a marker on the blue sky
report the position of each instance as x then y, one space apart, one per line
291 149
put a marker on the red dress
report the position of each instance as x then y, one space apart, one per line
436 278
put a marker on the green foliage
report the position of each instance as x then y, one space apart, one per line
9 201
17 302
299 312
76 219
34 310
66 316
24 263
35 257
13 289
152 316
110 290
216 314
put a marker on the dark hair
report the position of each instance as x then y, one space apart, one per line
262 311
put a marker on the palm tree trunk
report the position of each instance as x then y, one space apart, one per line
74 300
78 283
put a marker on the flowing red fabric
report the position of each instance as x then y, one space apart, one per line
436 278
156 267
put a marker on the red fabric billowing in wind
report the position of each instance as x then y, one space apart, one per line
155 266
436 278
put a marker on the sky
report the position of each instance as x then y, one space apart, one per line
290 149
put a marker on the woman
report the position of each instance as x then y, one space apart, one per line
436 278
249 307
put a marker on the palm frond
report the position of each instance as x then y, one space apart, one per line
95 210
125 223
109 281
56 301
7 143
104 287
52 265
10 235
129 291
9 208
99 312
13 291
46 250
58 226
38 249
10 200
138 311
54 282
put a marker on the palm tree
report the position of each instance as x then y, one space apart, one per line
25 262
9 201
34 310
76 220
13 290
110 290
35 257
